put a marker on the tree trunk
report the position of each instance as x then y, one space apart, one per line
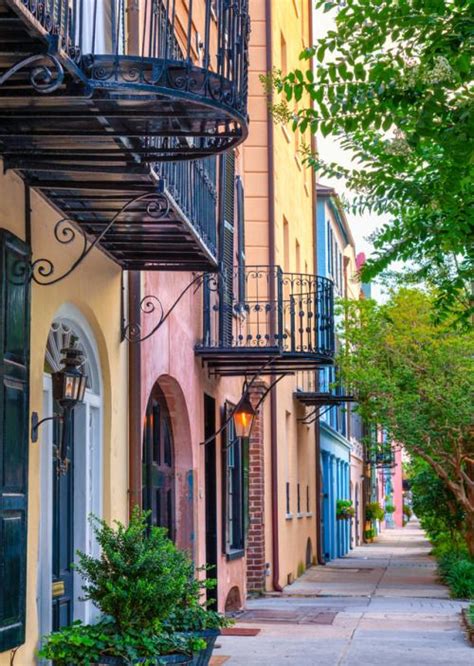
470 514
469 533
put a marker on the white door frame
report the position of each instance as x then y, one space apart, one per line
88 481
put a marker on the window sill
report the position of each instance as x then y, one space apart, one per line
289 516
235 554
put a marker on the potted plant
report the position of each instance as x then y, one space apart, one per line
373 511
369 535
102 644
344 509
193 617
390 508
136 582
407 512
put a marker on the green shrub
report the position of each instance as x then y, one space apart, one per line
407 512
193 612
344 509
82 645
373 511
389 508
440 514
370 534
139 580
140 575
456 569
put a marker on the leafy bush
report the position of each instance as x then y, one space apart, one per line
344 509
192 612
456 569
373 511
143 585
370 534
81 644
440 514
407 512
389 508
140 575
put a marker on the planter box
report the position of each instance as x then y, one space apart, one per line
209 635
204 657
468 625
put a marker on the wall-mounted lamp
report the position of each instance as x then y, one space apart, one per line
244 417
69 386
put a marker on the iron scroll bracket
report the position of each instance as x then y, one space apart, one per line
150 304
48 74
41 271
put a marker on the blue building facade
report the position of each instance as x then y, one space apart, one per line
333 237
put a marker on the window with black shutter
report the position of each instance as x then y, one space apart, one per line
14 437
226 245
235 490
241 238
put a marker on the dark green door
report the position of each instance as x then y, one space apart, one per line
63 534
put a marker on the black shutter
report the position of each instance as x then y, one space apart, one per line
225 442
241 239
226 246
14 438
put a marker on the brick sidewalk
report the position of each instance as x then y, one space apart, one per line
381 605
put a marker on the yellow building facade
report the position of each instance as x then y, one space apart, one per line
280 205
87 304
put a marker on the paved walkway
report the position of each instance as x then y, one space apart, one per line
381 605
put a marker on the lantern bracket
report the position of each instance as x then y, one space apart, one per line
36 423
151 305
245 395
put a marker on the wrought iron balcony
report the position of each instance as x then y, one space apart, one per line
315 390
95 95
268 321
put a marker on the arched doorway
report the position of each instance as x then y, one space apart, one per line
159 463
69 496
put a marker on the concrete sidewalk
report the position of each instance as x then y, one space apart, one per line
381 605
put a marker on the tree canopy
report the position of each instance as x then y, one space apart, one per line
414 378
393 84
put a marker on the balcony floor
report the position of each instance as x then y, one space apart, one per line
243 361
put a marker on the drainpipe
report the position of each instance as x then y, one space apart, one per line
317 432
271 251
134 396
318 493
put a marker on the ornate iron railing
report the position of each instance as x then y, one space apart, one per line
268 309
193 54
192 186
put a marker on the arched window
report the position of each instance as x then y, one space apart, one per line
158 491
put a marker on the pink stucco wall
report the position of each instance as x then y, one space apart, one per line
397 481
168 358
